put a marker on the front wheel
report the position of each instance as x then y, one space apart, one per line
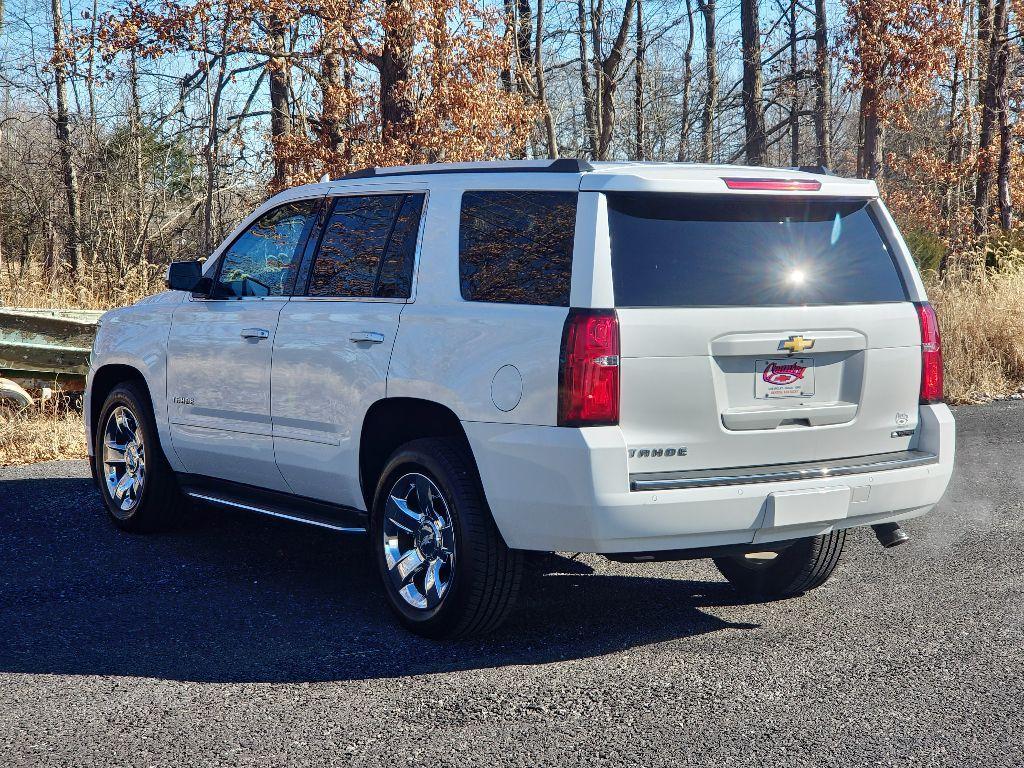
784 572
446 570
137 484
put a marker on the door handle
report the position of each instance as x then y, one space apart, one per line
368 336
255 333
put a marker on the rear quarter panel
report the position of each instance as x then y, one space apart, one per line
450 351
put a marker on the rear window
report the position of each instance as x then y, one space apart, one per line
717 250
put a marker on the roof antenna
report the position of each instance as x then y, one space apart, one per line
325 178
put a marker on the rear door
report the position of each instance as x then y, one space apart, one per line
219 352
334 339
759 330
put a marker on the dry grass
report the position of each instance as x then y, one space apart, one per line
982 322
51 430
34 288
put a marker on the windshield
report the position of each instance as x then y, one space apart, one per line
673 250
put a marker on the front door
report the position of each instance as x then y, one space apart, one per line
333 344
220 347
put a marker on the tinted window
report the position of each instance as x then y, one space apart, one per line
688 250
395 281
368 247
516 247
263 261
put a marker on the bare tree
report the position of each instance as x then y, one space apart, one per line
73 227
707 9
753 82
994 83
823 86
684 119
638 85
280 112
589 102
606 69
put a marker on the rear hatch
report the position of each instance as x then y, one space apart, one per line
759 330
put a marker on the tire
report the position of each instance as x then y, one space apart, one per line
798 568
151 498
446 572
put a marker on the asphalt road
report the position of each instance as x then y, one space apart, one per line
244 641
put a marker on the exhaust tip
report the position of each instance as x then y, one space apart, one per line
890 535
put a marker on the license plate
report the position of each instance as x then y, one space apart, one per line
820 505
784 377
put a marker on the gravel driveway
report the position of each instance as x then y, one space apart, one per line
244 641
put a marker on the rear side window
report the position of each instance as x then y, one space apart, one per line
710 250
516 247
368 247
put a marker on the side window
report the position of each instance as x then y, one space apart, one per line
368 247
264 260
516 247
395 281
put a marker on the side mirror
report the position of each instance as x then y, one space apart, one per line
186 276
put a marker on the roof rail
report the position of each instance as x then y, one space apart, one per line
562 165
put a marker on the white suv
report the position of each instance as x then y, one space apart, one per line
649 361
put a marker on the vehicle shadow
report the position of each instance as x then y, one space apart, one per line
233 597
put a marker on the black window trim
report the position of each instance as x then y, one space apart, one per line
320 228
215 277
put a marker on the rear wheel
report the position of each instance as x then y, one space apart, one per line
784 572
445 569
137 484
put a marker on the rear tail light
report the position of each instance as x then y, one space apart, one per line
931 354
783 185
588 377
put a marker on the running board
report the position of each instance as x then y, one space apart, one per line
274 504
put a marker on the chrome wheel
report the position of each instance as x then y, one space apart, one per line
418 541
124 458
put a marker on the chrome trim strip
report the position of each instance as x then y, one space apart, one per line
282 515
816 471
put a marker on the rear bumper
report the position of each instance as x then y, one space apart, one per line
552 488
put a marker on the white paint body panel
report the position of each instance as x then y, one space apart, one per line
323 383
223 429
286 413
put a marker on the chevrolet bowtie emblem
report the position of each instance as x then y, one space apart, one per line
796 344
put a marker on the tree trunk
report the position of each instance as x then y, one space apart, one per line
990 109
684 120
280 113
984 40
523 34
638 86
873 132
585 82
794 80
73 229
542 97
212 153
395 67
1001 39
139 203
608 82
950 201
707 9
823 85
753 115
597 52
510 26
